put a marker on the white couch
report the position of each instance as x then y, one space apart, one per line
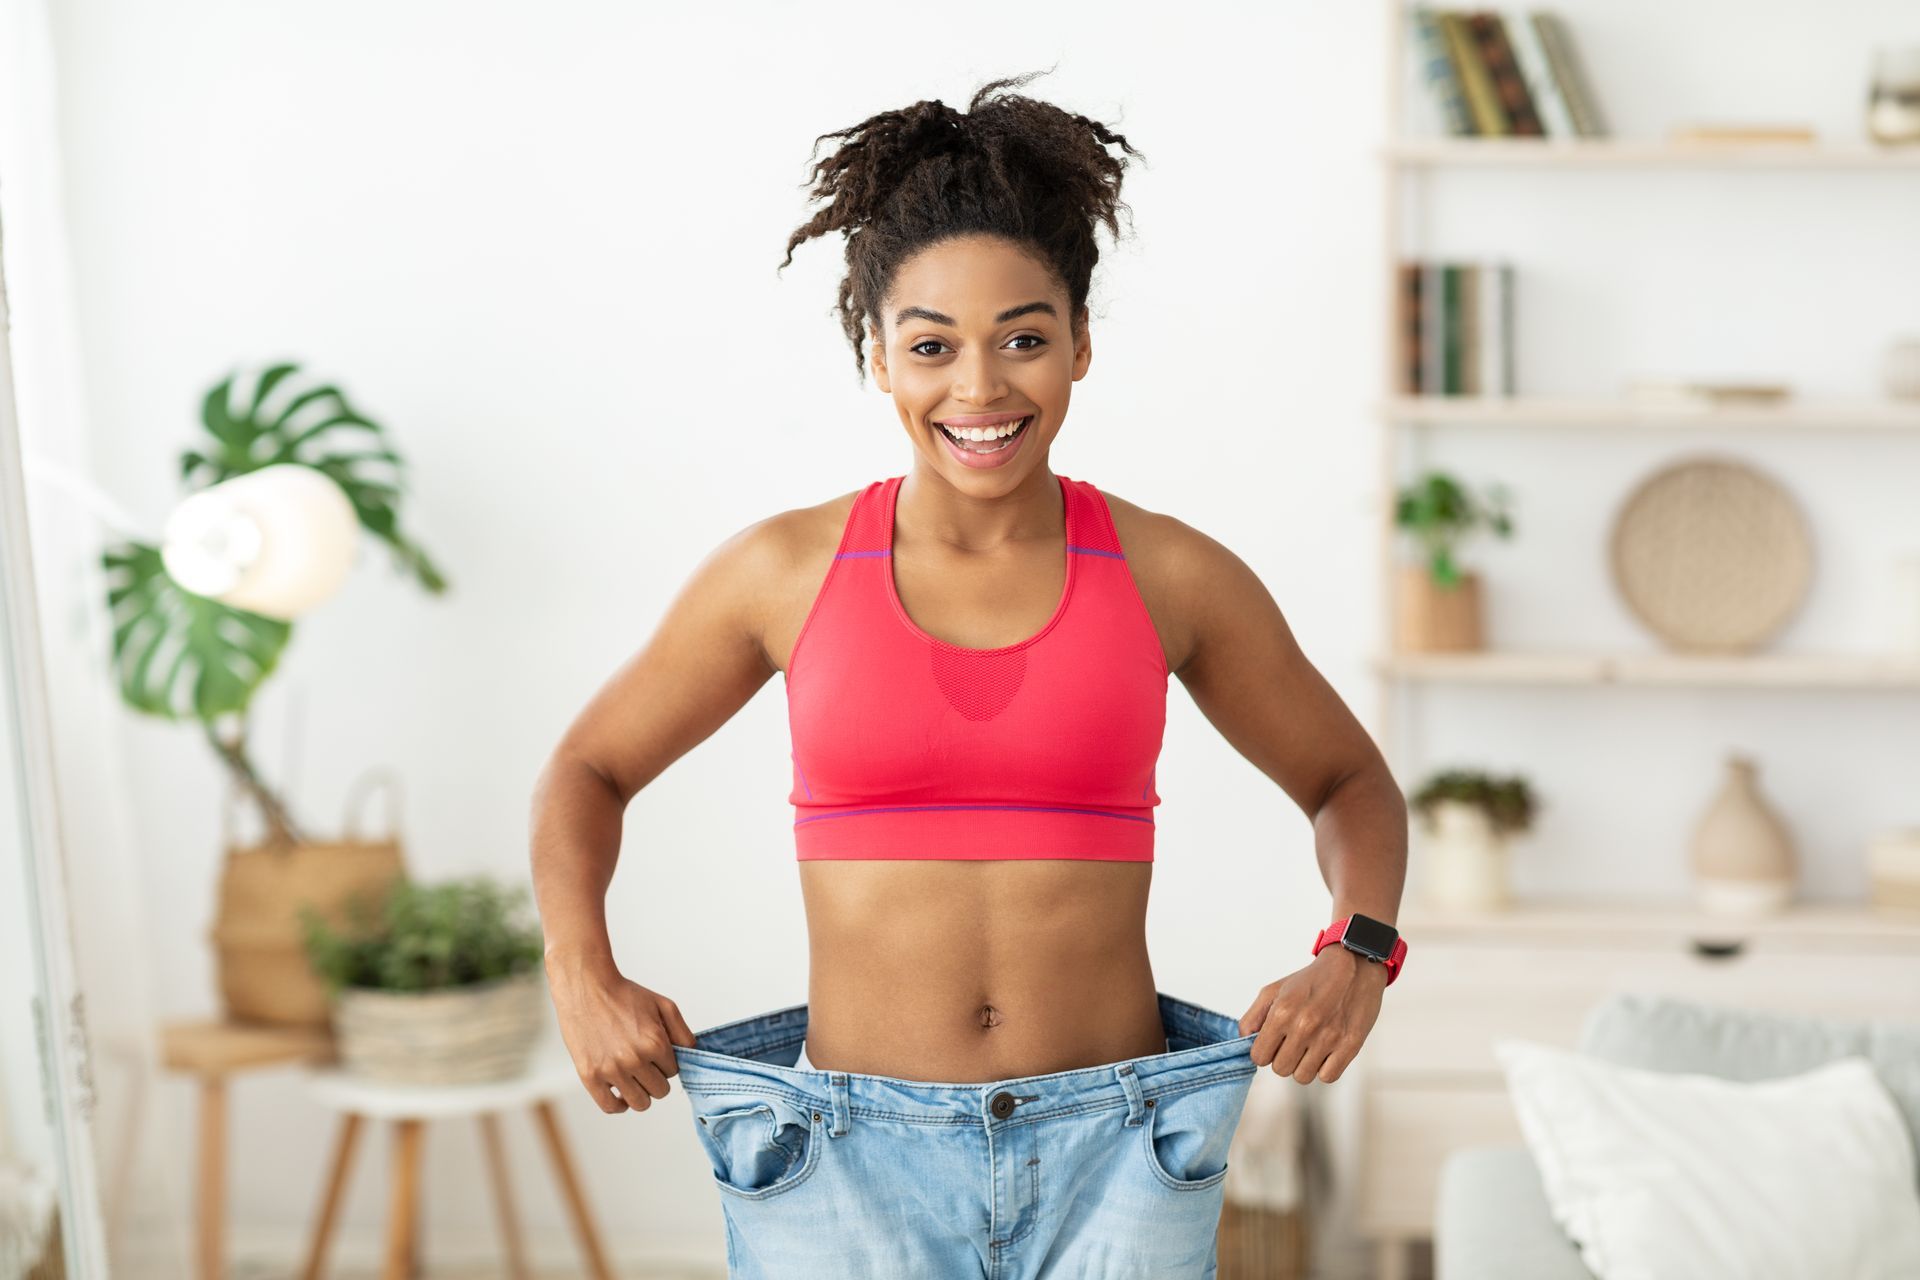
1492 1220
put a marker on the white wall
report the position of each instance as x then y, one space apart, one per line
538 244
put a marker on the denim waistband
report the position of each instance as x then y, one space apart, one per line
738 1057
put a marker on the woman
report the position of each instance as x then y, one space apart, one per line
984 1080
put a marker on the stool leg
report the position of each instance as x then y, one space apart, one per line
570 1187
503 1195
344 1142
402 1211
213 1177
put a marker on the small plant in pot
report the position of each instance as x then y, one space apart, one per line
433 983
1440 604
1468 816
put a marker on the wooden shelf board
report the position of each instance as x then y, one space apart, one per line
1638 153
1765 670
1537 411
1569 918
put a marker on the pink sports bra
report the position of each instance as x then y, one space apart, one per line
905 746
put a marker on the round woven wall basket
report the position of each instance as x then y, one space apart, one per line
1713 555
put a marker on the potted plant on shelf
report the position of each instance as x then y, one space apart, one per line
1440 605
1468 816
433 984
289 475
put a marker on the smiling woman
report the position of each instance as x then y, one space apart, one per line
985 1076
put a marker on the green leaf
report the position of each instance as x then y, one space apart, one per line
268 381
431 936
219 655
1440 513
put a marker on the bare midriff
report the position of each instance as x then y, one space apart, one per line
970 971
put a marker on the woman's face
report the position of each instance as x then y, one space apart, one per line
977 331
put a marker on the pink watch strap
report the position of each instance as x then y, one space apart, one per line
1337 930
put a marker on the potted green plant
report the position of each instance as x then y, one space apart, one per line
184 656
433 983
1440 605
1468 816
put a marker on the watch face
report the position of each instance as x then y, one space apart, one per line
1369 936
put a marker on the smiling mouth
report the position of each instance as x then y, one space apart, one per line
993 444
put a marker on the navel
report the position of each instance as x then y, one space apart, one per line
989 1016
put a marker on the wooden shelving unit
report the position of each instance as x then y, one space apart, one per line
1412 1109
1407 159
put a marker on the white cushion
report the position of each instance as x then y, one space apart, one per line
1656 1174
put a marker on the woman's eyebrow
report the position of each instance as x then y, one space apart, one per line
935 317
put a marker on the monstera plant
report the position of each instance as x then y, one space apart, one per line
183 656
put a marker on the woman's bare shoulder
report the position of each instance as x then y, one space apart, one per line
801 536
794 551
1175 566
1154 541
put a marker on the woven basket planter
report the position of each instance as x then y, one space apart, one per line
459 1035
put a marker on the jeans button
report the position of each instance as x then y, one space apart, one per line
1001 1104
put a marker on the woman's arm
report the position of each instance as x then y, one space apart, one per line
704 661
1247 675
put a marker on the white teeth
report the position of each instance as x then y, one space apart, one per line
982 433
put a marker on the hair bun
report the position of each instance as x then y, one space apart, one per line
931 122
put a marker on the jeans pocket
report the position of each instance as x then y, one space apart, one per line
759 1146
1187 1132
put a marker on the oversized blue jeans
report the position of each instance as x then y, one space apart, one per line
1099 1173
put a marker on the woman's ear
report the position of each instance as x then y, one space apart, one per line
877 358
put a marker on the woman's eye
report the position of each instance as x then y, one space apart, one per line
1035 338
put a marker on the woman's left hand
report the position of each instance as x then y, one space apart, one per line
1312 1022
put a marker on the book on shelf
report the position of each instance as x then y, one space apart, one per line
1511 74
1489 36
1455 321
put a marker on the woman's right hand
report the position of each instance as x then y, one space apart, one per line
619 1033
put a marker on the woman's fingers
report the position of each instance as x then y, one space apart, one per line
677 1029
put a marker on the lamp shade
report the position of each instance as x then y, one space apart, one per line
276 541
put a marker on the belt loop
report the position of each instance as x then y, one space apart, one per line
842 1113
1136 1109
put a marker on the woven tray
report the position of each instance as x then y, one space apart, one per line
1711 554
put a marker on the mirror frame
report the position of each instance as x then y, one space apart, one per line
59 1008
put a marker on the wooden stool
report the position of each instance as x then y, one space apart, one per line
410 1106
213 1049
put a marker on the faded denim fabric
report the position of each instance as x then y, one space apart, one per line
1112 1172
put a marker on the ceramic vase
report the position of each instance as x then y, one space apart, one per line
1743 856
1466 859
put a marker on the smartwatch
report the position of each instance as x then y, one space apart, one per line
1375 939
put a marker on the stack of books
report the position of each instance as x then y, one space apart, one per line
1504 77
1455 321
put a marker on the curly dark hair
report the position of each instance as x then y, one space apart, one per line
1010 166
